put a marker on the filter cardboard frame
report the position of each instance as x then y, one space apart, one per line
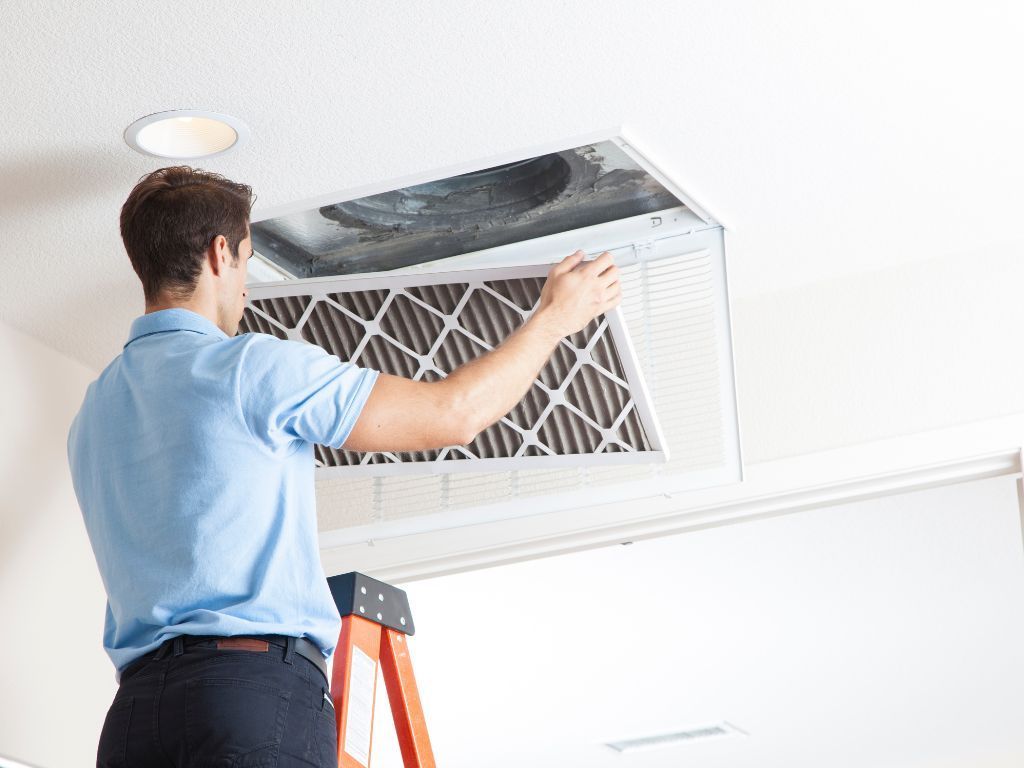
613 326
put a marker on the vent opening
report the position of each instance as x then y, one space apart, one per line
509 203
678 737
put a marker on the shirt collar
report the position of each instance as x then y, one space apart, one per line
175 319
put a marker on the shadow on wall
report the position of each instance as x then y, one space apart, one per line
68 174
69 276
48 576
42 390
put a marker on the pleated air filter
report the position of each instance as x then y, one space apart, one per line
588 405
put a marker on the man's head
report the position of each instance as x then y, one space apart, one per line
186 232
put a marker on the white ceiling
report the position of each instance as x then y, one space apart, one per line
876 634
829 138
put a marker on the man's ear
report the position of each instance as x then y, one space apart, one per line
218 254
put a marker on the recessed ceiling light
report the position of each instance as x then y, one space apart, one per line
185 134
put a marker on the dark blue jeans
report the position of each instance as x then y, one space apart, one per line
200 706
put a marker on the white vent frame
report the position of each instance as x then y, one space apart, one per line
375 520
319 291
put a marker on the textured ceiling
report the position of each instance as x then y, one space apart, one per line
829 139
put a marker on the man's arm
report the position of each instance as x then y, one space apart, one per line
405 415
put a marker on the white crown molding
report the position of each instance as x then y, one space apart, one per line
870 470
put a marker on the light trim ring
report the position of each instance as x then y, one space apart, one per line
186 134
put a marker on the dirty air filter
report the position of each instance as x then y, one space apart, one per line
588 404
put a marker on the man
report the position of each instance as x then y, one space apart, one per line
192 460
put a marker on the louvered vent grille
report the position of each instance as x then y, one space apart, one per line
587 404
678 737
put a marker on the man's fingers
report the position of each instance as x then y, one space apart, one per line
611 297
607 292
609 306
600 264
566 264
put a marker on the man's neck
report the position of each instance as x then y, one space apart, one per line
201 307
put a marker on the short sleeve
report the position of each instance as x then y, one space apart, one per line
290 390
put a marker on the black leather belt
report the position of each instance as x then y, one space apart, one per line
257 643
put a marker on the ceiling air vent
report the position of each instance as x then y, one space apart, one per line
588 405
399 275
677 737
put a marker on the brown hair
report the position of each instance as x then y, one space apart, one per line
171 217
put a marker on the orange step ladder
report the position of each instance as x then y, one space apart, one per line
375 621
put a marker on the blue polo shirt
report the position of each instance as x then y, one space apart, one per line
192 460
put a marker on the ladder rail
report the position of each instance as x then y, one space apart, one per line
404 697
366 646
354 695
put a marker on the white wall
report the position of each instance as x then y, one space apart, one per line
865 357
906 349
877 633
55 680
